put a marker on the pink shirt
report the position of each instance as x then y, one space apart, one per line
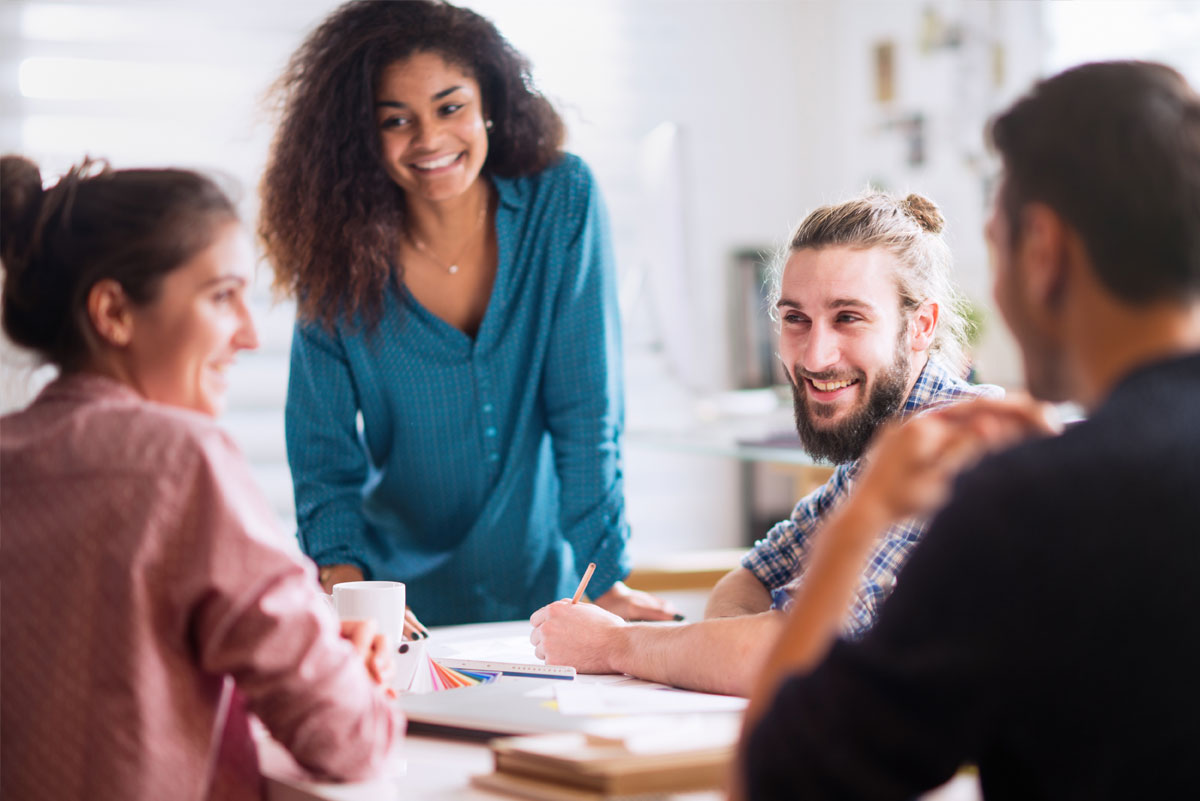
140 568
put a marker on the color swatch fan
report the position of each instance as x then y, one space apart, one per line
429 676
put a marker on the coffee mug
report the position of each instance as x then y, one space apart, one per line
383 602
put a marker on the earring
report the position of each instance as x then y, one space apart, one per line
487 124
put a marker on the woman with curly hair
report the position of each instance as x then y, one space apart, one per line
454 405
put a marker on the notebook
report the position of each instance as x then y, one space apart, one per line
506 706
536 706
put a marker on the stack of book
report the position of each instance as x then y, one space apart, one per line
582 767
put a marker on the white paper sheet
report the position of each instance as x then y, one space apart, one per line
607 699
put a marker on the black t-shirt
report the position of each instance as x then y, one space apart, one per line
1045 629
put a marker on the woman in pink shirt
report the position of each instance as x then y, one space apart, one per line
148 600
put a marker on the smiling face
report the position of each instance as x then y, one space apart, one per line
431 127
180 345
846 346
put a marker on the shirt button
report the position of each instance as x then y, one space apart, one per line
493 457
487 407
490 431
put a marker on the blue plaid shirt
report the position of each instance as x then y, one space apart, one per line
780 559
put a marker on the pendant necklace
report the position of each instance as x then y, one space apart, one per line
452 267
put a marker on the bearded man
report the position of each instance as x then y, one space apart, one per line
870 330
1045 629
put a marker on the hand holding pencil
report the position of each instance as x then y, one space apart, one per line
567 632
629 604
583 582
587 636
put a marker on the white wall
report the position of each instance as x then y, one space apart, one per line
774 108
188 81
945 70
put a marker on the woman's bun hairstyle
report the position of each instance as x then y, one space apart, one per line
20 201
30 317
96 223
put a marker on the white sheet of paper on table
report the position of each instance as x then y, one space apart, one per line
503 649
603 699
648 734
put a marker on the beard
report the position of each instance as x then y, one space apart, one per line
847 440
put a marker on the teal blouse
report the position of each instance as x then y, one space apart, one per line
484 473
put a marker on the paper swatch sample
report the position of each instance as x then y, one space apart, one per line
428 676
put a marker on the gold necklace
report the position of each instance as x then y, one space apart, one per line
452 267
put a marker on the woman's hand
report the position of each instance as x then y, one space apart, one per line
372 649
336 574
636 605
413 628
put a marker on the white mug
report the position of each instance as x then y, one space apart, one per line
381 601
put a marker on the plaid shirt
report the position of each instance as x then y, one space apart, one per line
780 559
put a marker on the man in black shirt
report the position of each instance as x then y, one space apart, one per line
1045 629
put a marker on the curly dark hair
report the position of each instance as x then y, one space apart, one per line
331 218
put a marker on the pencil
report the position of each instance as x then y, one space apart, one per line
587 576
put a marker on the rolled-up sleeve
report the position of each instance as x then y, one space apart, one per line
254 612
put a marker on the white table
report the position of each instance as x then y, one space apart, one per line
427 768
422 768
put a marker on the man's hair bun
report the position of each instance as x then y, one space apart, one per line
925 212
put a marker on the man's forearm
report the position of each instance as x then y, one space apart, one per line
738 593
722 655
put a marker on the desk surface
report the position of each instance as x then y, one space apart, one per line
435 769
422 768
